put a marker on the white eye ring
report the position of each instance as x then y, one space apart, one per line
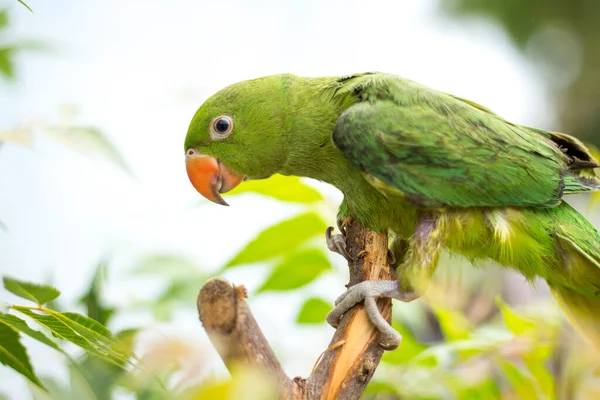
221 127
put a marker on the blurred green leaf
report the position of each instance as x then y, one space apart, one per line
17 136
382 388
95 376
313 311
14 355
448 352
542 377
81 331
7 67
454 325
25 4
181 277
280 187
212 389
179 294
524 386
515 323
246 383
3 227
92 298
3 19
19 325
87 140
52 390
470 383
280 239
410 347
40 294
297 270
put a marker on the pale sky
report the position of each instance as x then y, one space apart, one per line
138 70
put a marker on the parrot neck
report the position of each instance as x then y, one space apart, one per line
311 118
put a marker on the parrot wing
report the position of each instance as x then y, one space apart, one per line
437 150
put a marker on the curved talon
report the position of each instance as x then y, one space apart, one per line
328 233
341 227
337 243
389 338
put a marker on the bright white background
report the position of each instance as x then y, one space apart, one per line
138 70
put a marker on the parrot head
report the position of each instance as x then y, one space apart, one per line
238 133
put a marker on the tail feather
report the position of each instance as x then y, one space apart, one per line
578 291
582 311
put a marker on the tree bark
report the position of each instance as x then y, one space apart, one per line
350 360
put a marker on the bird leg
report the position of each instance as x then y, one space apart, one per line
415 271
369 291
337 242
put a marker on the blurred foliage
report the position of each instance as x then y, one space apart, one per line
464 342
562 38
284 188
68 326
8 51
25 5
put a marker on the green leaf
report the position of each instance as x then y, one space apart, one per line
297 270
18 324
453 324
313 311
14 355
411 347
40 294
7 67
542 377
178 295
3 19
280 187
181 277
83 332
382 388
53 390
92 298
515 323
87 140
524 385
26 6
280 239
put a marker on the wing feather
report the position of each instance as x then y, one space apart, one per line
438 150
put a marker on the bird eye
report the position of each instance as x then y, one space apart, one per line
221 127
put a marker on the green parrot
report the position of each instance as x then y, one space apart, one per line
436 171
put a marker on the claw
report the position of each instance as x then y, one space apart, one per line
369 291
337 243
341 227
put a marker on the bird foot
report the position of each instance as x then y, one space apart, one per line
337 243
369 291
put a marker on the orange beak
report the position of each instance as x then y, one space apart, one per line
210 176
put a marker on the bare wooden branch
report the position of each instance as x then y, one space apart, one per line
353 354
235 333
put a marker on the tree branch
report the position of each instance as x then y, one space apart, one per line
353 354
